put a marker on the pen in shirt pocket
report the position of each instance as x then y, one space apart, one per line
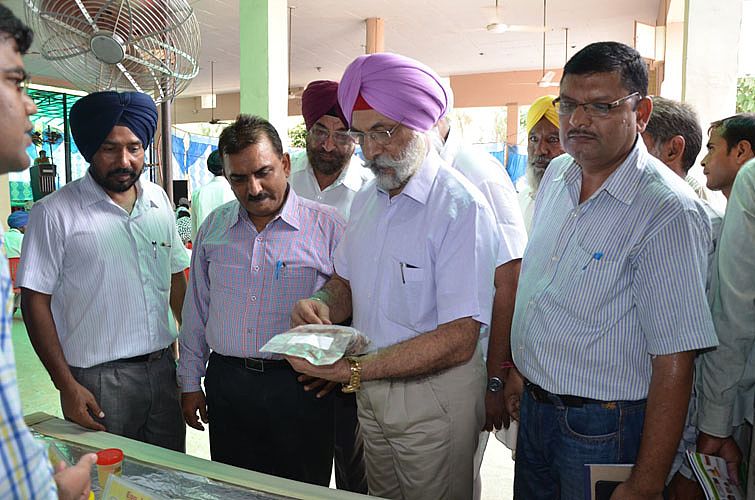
595 257
279 267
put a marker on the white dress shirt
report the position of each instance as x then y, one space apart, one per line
108 271
420 259
489 176
206 199
340 194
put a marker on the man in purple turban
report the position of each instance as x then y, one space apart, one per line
415 269
328 172
102 264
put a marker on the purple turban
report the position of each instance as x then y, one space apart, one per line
396 86
94 116
320 98
18 219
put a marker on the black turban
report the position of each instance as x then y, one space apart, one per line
94 116
215 163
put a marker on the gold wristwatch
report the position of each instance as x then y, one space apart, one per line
355 380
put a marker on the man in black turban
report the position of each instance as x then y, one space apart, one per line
102 263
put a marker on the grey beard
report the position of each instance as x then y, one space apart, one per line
533 175
403 168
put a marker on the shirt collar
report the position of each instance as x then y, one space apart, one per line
92 193
289 213
418 187
623 183
350 176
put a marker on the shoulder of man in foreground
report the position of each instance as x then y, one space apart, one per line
324 214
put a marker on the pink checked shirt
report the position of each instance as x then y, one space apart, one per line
244 284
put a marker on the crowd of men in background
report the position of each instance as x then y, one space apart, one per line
609 308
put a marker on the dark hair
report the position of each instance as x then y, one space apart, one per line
736 128
607 57
245 131
670 118
13 26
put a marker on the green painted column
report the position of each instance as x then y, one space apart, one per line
263 62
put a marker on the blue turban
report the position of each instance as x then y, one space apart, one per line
94 116
18 219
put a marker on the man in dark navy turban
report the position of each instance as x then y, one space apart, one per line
102 263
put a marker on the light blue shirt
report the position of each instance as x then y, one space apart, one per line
108 271
420 259
610 282
726 378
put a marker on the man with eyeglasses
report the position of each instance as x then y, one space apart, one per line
415 268
611 304
25 471
328 171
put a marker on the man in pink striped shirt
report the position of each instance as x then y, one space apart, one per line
253 258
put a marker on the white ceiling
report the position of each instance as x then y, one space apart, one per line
448 35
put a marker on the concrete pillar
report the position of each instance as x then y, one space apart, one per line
375 35
709 77
263 64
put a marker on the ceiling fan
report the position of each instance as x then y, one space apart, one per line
293 92
546 80
213 120
497 25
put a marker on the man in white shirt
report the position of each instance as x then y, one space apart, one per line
210 196
413 233
327 171
489 176
543 145
102 262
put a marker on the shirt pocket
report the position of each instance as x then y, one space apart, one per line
229 280
407 287
593 285
294 283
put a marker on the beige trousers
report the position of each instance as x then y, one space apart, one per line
420 434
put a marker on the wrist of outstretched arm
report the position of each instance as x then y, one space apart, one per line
321 296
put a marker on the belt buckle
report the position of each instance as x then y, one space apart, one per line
256 365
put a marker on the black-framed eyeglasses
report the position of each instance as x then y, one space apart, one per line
20 76
320 134
594 109
379 137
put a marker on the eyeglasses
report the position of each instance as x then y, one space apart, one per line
594 109
379 137
320 134
20 77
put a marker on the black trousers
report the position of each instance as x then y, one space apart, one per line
266 422
349 447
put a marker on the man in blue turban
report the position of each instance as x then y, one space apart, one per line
102 263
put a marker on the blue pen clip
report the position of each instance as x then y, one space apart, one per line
278 266
595 256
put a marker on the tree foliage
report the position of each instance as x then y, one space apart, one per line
746 95
297 136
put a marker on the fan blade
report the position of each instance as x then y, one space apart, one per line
548 76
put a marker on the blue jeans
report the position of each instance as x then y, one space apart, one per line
555 441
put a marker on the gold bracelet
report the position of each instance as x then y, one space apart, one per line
355 379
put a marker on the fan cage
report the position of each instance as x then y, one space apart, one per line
160 41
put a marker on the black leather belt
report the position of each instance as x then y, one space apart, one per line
253 364
542 396
144 357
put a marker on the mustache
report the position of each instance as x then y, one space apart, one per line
122 171
581 133
258 197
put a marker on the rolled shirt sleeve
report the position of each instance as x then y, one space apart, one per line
42 253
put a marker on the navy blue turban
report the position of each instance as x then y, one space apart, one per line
94 116
18 219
